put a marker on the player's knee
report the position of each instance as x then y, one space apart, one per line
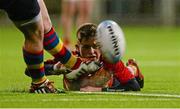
34 36
47 24
33 32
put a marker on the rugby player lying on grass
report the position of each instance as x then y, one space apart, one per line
110 77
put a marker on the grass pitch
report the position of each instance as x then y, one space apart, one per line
156 49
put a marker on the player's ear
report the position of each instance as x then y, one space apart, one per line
77 47
77 50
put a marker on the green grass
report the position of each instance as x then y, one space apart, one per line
157 50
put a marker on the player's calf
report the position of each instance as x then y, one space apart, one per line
133 67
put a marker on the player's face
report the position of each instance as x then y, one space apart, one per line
89 49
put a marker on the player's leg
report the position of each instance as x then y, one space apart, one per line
45 16
33 50
129 85
68 12
84 11
134 68
53 44
125 79
27 18
51 68
128 79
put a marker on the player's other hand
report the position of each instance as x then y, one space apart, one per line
85 68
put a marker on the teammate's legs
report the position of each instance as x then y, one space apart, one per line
33 50
27 18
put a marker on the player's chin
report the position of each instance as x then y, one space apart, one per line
92 58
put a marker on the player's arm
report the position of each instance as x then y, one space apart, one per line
85 68
56 68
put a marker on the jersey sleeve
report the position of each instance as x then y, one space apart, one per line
121 72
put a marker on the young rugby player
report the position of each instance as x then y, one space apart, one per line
109 77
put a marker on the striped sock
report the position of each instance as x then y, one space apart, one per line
56 48
35 66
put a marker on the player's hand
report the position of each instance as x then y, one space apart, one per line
85 68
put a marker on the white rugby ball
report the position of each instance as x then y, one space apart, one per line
111 40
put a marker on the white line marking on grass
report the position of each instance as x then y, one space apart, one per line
164 97
152 95
108 99
86 99
134 94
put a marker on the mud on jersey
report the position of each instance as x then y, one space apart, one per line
101 78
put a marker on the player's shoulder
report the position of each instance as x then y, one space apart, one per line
108 65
